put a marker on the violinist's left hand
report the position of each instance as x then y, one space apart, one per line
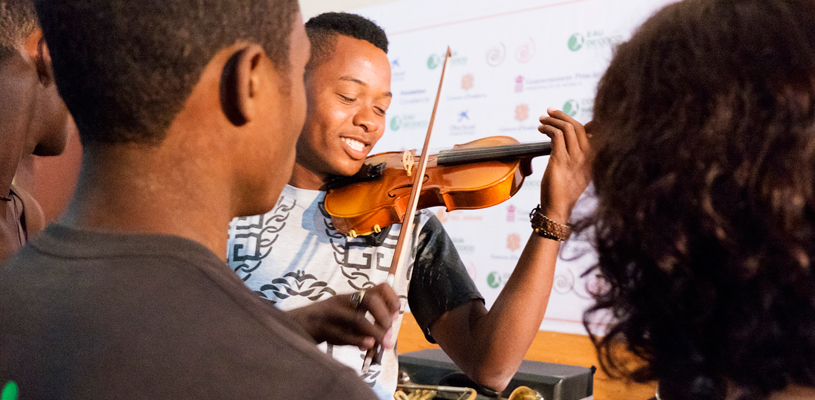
569 170
489 345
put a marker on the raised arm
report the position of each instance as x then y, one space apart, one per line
489 345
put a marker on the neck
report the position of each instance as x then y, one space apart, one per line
303 178
6 179
13 149
18 86
134 189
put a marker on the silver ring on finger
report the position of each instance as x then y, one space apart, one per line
356 298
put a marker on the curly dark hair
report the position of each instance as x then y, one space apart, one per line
125 68
705 177
323 29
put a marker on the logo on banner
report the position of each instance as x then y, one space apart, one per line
519 84
407 122
462 246
455 60
576 42
522 112
514 241
467 81
398 74
571 108
463 127
396 123
593 40
496 55
494 280
433 61
526 52
511 213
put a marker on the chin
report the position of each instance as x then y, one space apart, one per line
349 169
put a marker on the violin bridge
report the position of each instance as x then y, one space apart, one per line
353 233
408 161
377 229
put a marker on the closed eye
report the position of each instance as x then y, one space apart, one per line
346 99
379 111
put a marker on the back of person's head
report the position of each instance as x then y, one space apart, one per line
705 174
17 20
125 68
323 29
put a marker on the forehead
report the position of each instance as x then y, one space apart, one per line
358 59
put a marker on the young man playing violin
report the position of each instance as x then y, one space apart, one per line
327 281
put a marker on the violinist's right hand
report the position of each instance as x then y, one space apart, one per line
569 170
341 321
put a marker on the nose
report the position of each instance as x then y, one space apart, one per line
367 119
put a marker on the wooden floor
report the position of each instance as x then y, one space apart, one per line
560 348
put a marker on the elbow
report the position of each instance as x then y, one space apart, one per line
495 368
495 379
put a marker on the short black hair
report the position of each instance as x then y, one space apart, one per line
705 177
323 29
126 67
17 20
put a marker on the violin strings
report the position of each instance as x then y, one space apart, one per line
490 153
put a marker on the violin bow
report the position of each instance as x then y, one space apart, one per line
413 202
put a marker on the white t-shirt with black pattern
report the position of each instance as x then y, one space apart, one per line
293 257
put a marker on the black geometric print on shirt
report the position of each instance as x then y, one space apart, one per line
347 249
373 373
403 302
357 274
264 297
261 235
298 284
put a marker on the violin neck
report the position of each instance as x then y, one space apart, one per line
493 153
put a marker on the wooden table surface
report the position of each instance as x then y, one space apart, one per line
552 347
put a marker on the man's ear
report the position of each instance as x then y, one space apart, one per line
37 51
240 82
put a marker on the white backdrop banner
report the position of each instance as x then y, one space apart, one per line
511 61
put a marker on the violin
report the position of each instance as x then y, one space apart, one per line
478 174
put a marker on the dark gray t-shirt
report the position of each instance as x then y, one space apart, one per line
91 315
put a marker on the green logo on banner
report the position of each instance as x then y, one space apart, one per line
433 61
576 42
9 391
396 123
571 108
493 280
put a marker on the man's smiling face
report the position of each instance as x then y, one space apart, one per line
348 96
